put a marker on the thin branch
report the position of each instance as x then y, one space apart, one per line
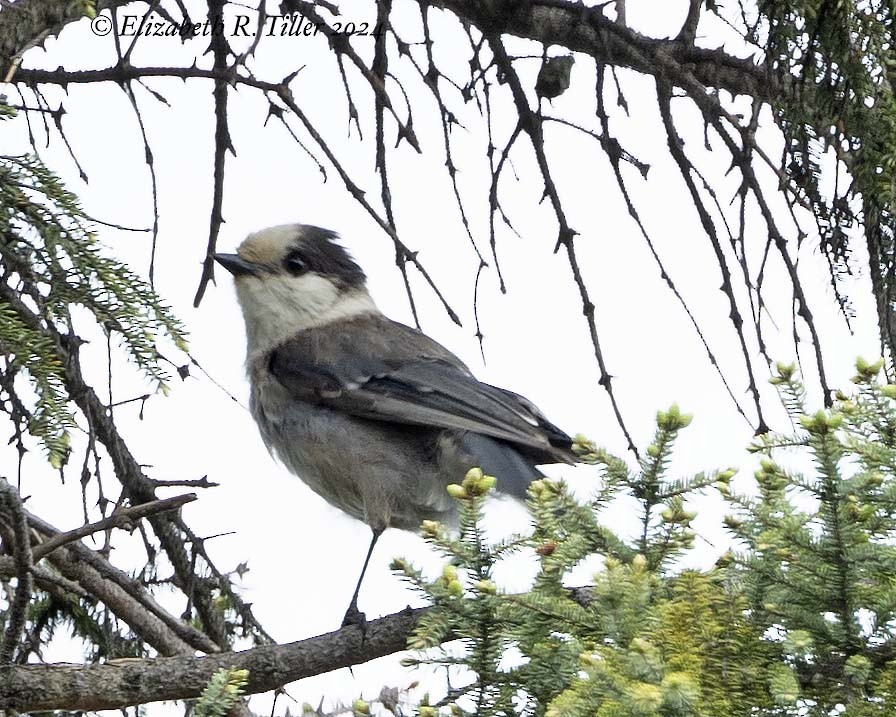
532 125
203 482
802 306
285 96
340 44
664 96
91 572
124 518
136 486
431 79
223 144
154 185
616 154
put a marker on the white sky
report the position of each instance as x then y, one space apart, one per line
303 554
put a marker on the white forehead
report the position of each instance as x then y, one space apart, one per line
268 246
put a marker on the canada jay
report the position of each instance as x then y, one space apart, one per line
373 415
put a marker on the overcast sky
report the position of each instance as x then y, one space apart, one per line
304 555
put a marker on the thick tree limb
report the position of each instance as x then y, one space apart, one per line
550 21
122 683
12 516
28 22
148 626
587 30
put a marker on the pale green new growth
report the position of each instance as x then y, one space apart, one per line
798 619
222 693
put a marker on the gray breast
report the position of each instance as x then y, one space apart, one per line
383 474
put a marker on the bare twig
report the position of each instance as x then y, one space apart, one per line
287 98
223 144
86 571
137 487
532 125
124 518
674 143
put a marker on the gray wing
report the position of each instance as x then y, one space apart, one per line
384 371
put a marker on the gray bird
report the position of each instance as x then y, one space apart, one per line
375 416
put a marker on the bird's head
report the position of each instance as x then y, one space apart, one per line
294 277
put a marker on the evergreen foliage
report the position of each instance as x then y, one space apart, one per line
836 62
51 261
222 693
797 619
820 556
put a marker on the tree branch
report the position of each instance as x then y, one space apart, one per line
146 603
12 514
83 571
587 30
223 145
122 683
136 486
532 124
689 29
27 23
121 518
148 626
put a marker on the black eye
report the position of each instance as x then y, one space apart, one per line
295 264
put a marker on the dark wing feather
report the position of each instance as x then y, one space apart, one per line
412 380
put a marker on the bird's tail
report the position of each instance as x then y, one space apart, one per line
513 471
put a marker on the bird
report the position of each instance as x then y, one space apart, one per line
374 416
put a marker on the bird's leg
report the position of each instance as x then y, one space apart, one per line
353 616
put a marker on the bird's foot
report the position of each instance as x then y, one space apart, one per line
353 616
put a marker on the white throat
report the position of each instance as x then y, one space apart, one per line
276 307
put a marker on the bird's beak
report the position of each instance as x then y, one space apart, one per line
236 265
